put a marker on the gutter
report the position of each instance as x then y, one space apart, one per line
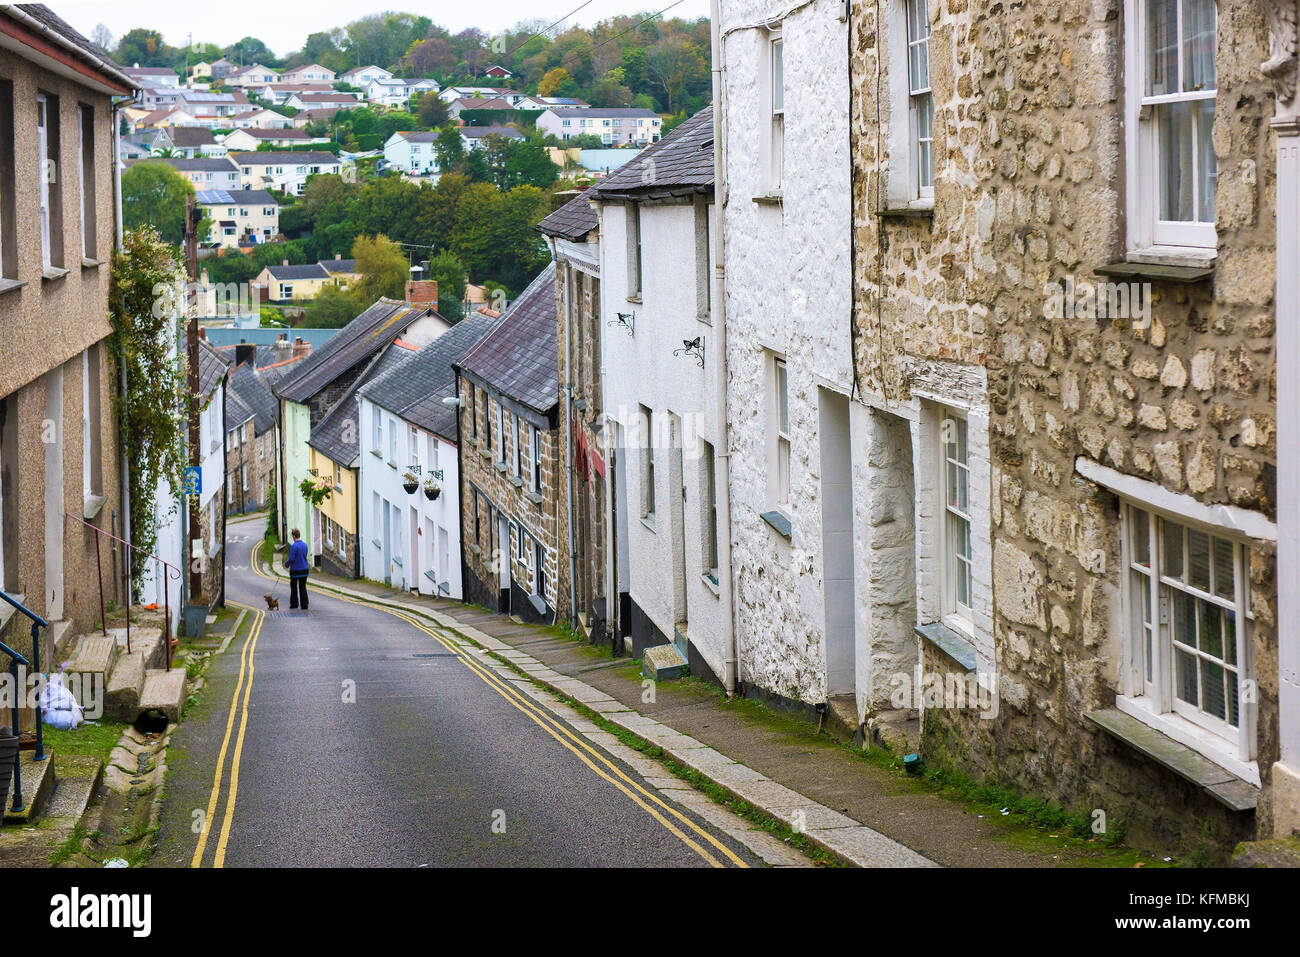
731 666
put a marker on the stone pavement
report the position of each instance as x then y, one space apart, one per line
865 814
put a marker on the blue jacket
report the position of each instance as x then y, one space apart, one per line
298 557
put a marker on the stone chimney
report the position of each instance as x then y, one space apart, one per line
283 348
423 292
245 352
203 332
301 349
284 262
338 255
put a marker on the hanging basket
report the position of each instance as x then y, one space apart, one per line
410 487
431 492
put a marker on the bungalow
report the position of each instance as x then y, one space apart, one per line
311 73
342 271
152 76
261 119
159 97
207 103
240 217
193 142
412 152
285 283
457 107
255 75
159 119
305 117
205 172
615 127
316 101
453 93
286 172
278 93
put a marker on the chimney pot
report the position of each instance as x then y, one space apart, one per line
284 263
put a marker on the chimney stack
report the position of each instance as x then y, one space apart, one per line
423 292
301 349
203 333
283 348
284 262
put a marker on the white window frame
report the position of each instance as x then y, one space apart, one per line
42 169
781 442
646 417
1150 673
957 524
920 100
709 498
1148 235
774 94
377 429
537 460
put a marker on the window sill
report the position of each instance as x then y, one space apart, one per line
1173 269
771 198
475 550
1227 787
376 453
391 464
533 497
376 542
500 467
88 263
917 210
952 643
634 297
648 521
779 521
92 506
52 273
711 583
9 285
484 451
516 481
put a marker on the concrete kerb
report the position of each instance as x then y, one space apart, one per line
838 835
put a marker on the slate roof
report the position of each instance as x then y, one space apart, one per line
195 165
419 136
306 157
358 340
680 162
247 384
283 134
235 197
237 412
574 220
338 435
308 271
518 358
186 137
339 265
274 373
212 367
415 389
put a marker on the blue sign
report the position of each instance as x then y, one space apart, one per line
193 480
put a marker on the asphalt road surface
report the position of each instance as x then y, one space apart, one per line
351 737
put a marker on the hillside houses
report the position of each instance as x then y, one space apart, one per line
286 172
615 127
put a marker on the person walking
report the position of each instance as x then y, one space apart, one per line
298 566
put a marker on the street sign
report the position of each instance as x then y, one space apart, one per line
193 480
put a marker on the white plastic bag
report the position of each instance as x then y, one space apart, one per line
59 706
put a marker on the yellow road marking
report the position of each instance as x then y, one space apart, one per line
220 859
546 720
213 798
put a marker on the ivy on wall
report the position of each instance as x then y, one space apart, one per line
151 408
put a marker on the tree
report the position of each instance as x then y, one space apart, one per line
333 308
251 50
142 46
675 66
383 267
154 194
450 275
554 81
430 111
102 37
449 150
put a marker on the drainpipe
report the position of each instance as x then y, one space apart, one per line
731 641
568 432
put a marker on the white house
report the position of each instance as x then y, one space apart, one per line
473 137
388 92
801 510
254 75
311 73
252 137
409 538
453 93
359 76
663 374
152 76
412 152
615 127
261 119
286 172
204 172
321 101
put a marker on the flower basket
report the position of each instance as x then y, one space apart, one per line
410 483
431 492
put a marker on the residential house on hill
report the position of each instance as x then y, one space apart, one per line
512 460
412 152
251 76
152 76
193 142
311 73
359 76
615 127
206 173
473 137
240 217
251 138
286 172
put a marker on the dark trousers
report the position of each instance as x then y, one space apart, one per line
298 591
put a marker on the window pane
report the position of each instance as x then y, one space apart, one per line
1173 549
952 485
1212 696
1140 540
1162 47
1198 45
1186 668
1184 609
1174 126
1230 636
1198 559
1224 581
1211 630
1207 164
1232 702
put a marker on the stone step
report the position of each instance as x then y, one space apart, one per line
38 784
125 686
146 641
56 644
663 662
164 691
842 717
94 654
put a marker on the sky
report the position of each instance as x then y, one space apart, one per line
284 24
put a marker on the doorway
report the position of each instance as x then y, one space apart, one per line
837 541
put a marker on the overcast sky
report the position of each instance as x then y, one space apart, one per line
283 25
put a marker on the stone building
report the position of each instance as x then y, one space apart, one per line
59 450
573 234
511 463
797 511
1064 225
259 451
664 416
214 371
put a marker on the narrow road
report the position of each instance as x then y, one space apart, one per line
352 736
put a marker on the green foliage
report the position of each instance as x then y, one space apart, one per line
151 410
430 111
154 194
450 275
333 308
524 119
383 267
315 491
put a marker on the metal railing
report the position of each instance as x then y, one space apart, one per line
35 664
169 571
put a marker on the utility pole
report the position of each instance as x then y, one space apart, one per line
192 352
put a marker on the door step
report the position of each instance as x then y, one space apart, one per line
663 662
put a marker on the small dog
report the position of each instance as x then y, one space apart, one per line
272 604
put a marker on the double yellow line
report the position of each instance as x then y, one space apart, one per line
677 823
236 706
